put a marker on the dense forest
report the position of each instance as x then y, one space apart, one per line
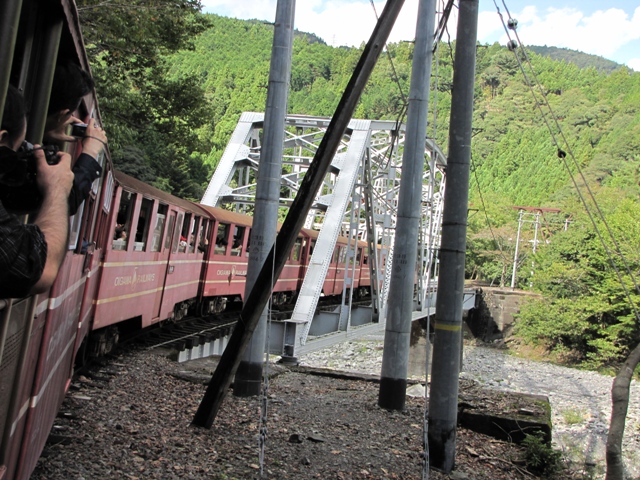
172 84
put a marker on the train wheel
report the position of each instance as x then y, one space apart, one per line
83 354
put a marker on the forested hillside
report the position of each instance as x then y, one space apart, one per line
197 88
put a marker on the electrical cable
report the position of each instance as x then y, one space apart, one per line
562 154
264 400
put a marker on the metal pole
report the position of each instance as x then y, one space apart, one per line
443 401
9 19
535 244
256 301
515 255
248 379
395 357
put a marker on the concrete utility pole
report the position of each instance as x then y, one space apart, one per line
443 402
257 300
395 358
515 255
248 379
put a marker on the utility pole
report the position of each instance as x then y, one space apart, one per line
535 244
515 255
248 379
395 358
443 402
256 301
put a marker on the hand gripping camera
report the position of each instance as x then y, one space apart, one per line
19 191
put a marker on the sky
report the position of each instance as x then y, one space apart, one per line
610 29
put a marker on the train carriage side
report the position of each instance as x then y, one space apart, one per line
226 259
152 264
40 334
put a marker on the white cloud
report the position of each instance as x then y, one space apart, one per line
340 22
570 28
634 63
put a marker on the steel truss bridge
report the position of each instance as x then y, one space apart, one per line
358 200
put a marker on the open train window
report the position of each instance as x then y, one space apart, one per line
172 224
203 236
222 239
176 236
158 230
238 238
75 222
193 235
142 227
295 252
124 221
185 233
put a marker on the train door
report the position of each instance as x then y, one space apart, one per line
171 240
161 251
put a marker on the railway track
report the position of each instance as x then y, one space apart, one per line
198 337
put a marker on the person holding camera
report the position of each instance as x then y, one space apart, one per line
70 85
31 254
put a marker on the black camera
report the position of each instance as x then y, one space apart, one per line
79 130
19 191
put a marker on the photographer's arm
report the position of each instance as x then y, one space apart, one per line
86 169
55 182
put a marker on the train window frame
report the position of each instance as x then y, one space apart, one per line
203 235
162 211
296 250
125 218
185 232
222 242
193 236
75 227
140 241
170 229
239 232
176 233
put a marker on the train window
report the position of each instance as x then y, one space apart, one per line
124 220
142 228
185 233
342 258
238 238
336 255
172 223
222 238
193 235
75 223
176 236
96 183
295 252
246 252
158 230
203 236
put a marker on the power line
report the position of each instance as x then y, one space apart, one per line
513 46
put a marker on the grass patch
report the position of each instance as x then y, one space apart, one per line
573 416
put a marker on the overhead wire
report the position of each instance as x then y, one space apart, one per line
563 153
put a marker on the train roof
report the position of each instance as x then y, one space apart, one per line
228 216
136 185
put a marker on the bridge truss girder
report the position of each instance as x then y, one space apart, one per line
358 200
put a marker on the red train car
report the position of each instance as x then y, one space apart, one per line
226 262
39 334
151 261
